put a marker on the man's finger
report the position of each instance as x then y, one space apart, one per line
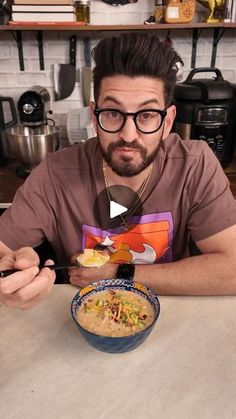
7 262
34 291
12 283
26 257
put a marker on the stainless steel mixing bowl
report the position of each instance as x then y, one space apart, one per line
30 145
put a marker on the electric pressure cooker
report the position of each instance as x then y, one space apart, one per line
206 110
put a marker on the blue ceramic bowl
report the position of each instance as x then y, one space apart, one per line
109 343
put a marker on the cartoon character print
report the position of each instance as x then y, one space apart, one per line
149 241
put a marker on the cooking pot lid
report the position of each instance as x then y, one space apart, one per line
204 89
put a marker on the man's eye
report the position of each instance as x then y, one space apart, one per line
113 114
146 115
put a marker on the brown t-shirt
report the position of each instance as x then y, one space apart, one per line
188 194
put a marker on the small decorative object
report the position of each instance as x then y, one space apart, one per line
217 10
180 11
159 11
150 21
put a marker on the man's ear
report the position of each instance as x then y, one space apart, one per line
93 118
169 119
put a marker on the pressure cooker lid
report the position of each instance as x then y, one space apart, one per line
204 89
186 91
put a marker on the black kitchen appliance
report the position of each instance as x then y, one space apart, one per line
206 110
33 106
8 118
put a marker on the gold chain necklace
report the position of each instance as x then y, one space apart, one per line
136 200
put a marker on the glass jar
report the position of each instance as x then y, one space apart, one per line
82 11
159 12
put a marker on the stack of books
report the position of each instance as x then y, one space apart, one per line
230 7
42 11
233 11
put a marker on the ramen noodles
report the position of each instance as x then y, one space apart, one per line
115 313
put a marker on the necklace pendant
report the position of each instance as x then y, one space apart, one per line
124 226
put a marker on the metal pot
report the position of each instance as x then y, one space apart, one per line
31 145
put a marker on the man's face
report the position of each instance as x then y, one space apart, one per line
130 151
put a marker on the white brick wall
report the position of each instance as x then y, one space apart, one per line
14 82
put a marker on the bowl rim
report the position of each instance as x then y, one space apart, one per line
128 281
11 131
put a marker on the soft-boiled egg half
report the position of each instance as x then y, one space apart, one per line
92 258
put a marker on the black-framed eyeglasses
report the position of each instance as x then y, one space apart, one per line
146 121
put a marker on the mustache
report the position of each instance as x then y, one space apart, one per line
120 143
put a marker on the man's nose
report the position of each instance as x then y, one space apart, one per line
129 131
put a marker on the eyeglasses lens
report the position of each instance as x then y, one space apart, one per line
111 120
146 121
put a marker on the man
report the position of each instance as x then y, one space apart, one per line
170 189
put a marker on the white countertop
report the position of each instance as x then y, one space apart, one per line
186 369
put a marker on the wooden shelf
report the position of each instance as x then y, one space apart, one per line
230 25
98 28
95 31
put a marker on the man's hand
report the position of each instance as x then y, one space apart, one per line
28 287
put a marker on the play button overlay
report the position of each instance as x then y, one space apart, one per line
116 207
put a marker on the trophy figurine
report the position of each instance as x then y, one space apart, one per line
217 10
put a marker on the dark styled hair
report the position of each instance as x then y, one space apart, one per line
136 54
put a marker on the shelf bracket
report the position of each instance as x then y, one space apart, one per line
17 35
195 35
39 37
217 35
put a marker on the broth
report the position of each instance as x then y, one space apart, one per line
115 313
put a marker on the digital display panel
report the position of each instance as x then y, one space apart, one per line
212 115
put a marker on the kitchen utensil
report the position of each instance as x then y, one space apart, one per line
98 246
30 145
8 272
86 73
79 125
8 118
64 75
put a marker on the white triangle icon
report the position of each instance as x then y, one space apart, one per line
116 209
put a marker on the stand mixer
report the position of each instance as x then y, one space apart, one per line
37 135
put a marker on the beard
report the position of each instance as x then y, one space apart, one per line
126 166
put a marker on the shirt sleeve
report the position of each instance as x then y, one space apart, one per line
30 219
212 205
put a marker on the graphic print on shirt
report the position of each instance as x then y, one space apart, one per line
149 241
